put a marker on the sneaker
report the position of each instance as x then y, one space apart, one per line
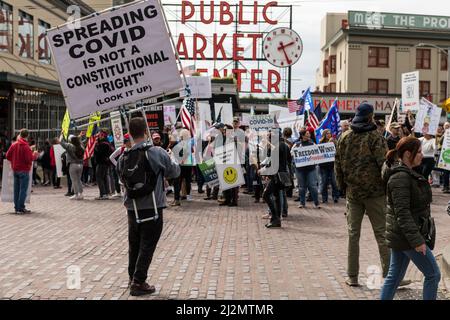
201 191
26 211
80 197
102 198
141 289
183 198
404 283
207 198
69 194
19 212
189 198
116 195
302 206
316 206
74 197
273 225
352 282
176 203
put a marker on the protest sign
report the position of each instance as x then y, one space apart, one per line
293 121
117 130
200 87
204 117
410 91
170 115
155 117
225 111
444 158
114 58
65 125
228 166
262 122
312 155
283 112
58 151
7 194
209 173
428 117
245 119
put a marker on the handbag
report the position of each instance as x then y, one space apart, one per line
428 231
285 179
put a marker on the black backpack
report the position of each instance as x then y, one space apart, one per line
136 174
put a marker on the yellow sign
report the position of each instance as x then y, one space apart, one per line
446 105
230 175
65 125
95 117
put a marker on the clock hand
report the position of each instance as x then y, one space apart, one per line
286 56
285 45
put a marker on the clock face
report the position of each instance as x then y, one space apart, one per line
282 47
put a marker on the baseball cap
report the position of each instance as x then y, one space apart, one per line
126 137
156 136
395 125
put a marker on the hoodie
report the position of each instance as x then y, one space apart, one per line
20 156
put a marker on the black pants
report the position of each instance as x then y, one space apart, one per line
103 179
427 167
69 180
446 176
212 192
272 196
186 175
116 179
55 180
231 195
142 241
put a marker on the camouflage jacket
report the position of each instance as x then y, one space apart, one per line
360 155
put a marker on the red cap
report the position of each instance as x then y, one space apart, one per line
156 135
126 137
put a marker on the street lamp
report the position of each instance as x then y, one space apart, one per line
448 60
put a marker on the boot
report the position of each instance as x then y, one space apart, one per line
138 289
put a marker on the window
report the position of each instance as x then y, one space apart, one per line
378 86
6 27
332 64
424 88
43 50
379 57
26 32
325 89
423 59
444 61
443 91
340 86
325 69
332 87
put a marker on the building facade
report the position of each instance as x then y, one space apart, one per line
30 95
365 52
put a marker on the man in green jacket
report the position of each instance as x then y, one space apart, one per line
360 156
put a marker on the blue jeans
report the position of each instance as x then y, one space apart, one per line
327 178
308 180
397 269
21 182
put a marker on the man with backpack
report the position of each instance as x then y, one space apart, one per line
142 170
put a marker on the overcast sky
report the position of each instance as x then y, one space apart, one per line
311 13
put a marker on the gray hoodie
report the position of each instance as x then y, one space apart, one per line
163 166
71 156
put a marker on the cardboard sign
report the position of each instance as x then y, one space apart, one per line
200 87
428 117
410 91
114 58
312 155
262 122
170 115
226 113
444 158
155 118
228 166
58 151
283 112
7 194
204 117
208 170
117 130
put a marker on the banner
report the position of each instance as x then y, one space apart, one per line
410 91
7 194
170 115
200 87
427 118
228 167
312 155
226 112
114 58
294 122
262 122
209 173
204 117
58 151
283 111
155 118
444 158
65 125
117 130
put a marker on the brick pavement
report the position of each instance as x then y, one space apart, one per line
205 252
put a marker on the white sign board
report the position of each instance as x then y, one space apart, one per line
115 58
226 112
294 122
262 122
205 119
117 130
245 119
58 150
228 167
7 194
444 158
200 87
283 111
312 155
427 118
170 115
410 91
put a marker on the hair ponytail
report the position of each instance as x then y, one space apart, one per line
409 143
392 156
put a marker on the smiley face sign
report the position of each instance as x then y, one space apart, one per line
230 175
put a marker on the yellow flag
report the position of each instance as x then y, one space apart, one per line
65 125
446 105
95 117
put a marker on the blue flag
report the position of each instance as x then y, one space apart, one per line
332 121
305 102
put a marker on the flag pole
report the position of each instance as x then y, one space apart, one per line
388 125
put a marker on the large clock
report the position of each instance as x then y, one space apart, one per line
282 47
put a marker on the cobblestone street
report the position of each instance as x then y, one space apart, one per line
205 252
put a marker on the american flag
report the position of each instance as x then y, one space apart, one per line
92 142
312 120
293 106
188 115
